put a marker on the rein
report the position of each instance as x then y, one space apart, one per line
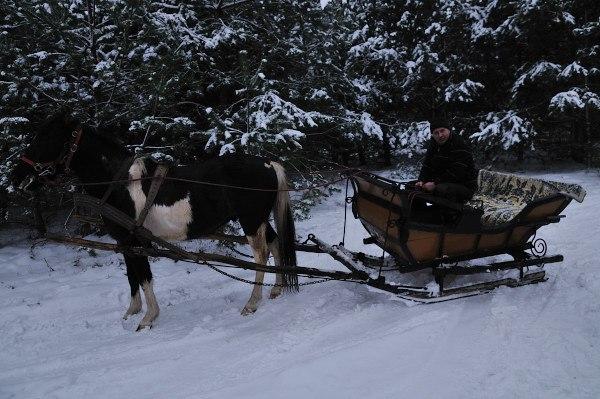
177 179
45 169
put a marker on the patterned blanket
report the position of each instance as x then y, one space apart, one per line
502 196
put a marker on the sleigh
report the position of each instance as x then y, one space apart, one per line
149 201
502 219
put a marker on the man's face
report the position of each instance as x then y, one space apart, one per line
441 135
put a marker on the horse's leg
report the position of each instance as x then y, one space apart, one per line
273 243
141 266
260 250
136 300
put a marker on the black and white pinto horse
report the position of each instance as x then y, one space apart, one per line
180 210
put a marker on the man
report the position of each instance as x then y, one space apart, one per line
448 170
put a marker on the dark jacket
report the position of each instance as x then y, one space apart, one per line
451 162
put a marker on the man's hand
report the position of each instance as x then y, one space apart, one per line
419 184
429 186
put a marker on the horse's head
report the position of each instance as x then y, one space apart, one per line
49 152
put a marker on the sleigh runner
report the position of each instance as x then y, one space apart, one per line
503 218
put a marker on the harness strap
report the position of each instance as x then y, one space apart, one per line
76 137
37 166
118 176
157 180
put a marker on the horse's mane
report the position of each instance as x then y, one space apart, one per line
110 134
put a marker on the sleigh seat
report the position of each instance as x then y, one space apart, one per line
503 197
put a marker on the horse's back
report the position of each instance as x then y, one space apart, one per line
239 171
231 187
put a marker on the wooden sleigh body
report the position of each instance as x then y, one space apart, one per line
502 218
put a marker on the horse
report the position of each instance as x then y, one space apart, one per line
181 210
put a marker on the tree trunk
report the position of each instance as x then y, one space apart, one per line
386 150
38 218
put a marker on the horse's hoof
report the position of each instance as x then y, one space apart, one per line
127 314
274 294
247 311
131 312
142 327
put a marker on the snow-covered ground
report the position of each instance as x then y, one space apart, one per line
62 336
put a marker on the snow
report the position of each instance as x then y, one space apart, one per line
540 70
104 65
566 100
413 138
13 120
374 47
149 53
573 70
592 100
370 127
270 108
319 93
463 92
572 99
182 120
505 129
63 336
221 35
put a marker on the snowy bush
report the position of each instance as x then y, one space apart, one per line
464 92
503 131
347 83
12 132
573 70
574 99
567 100
542 70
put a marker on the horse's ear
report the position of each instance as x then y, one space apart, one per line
71 121
61 117
67 118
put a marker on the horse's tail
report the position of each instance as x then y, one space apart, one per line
286 231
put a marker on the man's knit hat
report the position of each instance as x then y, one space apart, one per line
438 122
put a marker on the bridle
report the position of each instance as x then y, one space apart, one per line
46 169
